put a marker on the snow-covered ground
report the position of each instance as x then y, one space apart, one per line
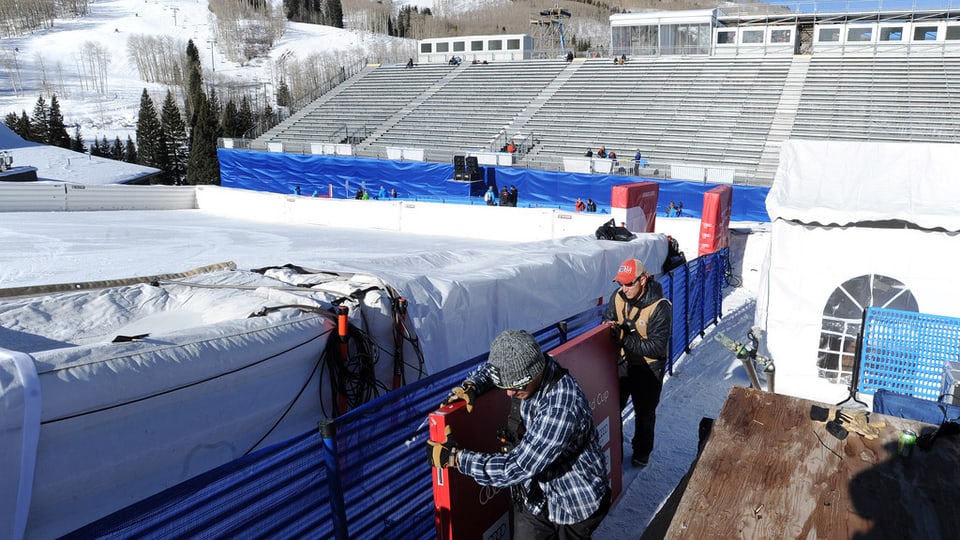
79 246
55 61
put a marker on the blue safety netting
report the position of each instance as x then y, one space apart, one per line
277 172
905 352
364 474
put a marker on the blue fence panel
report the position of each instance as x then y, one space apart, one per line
281 488
371 479
905 352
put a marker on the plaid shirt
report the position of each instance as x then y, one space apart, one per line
560 447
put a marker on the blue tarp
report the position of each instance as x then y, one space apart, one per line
280 173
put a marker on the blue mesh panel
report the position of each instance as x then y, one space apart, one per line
905 352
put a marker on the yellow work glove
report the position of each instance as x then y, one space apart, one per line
466 392
443 454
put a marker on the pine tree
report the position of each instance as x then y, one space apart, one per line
24 127
244 117
231 119
11 121
283 94
40 122
116 149
104 147
56 130
149 133
130 151
76 143
95 148
202 166
194 82
175 138
333 13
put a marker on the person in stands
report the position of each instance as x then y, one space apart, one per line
636 163
602 152
511 147
551 456
579 206
588 153
409 63
640 321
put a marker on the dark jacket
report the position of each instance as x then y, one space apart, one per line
658 326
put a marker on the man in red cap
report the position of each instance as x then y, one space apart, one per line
641 319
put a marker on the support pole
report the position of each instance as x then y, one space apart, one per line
338 511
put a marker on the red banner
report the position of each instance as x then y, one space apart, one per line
715 223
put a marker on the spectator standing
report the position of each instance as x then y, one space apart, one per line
588 153
679 208
591 206
513 195
504 197
366 195
670 209
489 196
641 320
552 458
382 194
511 147
393 193
636 163
602 152
359 194
579 206
296 189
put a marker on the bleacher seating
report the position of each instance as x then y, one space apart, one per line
707 111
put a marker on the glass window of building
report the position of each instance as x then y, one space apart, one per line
752 36
953 33
891 33
426 47
513 44
726 37
780 36
860 33
443 46
829 34
924 33
494 45
476 45
458 46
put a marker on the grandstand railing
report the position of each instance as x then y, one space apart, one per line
364 473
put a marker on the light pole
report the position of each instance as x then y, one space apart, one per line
213 62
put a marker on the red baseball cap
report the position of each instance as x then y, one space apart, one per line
629 271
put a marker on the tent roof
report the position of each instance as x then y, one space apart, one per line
845 182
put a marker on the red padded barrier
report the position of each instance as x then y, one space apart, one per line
715 220
465 510
631 199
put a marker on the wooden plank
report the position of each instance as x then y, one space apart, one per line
768 471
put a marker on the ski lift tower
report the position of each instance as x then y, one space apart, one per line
549 31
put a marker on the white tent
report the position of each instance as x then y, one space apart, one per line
854 224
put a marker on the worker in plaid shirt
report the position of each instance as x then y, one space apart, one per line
552 459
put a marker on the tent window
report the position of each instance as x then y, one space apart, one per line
843 316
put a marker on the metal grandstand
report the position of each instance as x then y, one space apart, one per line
716 93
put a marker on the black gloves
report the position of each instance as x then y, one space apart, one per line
467 392
443 454
840 422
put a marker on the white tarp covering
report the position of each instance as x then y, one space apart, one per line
821 190
460 292
842 182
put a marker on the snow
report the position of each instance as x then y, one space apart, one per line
56 247
85 246
49 61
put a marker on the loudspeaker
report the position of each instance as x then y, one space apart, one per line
458 165
472 164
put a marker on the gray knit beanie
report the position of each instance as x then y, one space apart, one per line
516 359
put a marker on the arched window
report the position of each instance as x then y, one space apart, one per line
843 316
